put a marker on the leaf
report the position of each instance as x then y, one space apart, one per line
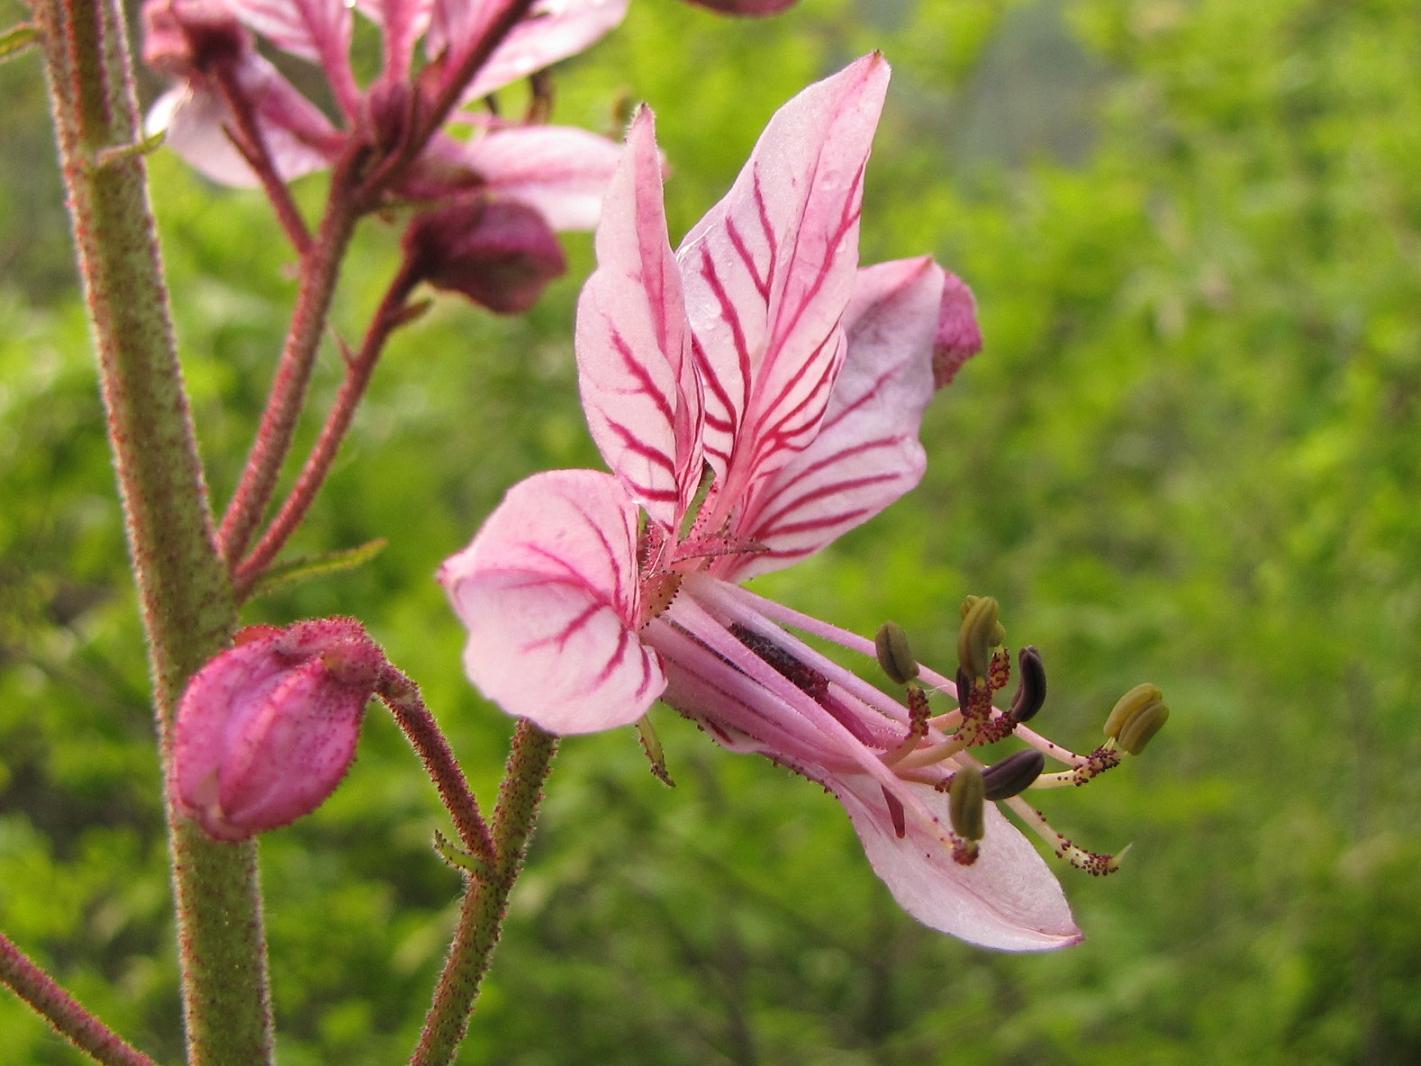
17 39
313 566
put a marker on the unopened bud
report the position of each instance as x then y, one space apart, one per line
1012 775
1131 704
498 253
1030 686
894 654
267 729
959 337
1139 730
965 803
981 631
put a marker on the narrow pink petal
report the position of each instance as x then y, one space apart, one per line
560 170
403 21
548 592
554 30
770 269
1008 899
634 364
866 453
298 136
316 30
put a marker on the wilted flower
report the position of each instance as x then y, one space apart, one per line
267 729
762 353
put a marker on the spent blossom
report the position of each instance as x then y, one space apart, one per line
756 394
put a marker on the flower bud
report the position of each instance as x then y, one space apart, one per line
498 253
965 802
185 37
959 337
894 654
267 729
1012 775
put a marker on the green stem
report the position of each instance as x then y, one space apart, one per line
187 603
486 902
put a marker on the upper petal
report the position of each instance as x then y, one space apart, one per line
553 30
560 170
317 30
638 384
866 453
769 271
1008 899
548 592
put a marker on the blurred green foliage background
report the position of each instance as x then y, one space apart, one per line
1189 454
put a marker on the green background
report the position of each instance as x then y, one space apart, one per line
1188 454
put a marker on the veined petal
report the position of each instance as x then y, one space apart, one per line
317 30
770 269
553 30
298 136
866 453
1007 899
548 591
560 170
639 387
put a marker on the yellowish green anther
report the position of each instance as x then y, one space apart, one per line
966 800
981 631
1130 705
894 654
1139 730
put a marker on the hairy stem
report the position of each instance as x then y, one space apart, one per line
188 611
320 267
65 1013
402 696
357 376
486 901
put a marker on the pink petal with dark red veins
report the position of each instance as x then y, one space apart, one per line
316 30
553 30
402 22
560 170
769 270
298 136
548 592
1008 899
866 453
639 388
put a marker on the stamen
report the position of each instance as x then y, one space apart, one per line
1094 863
1012 775
966 803
1103 758
981 631
1031 686
894 654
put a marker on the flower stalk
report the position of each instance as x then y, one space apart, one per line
485 901
188 610
65 1013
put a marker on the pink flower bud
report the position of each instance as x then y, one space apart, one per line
746 7
498 253
184 37
959 337
267 729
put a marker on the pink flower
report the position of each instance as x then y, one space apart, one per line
560 171
267 729
761 353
